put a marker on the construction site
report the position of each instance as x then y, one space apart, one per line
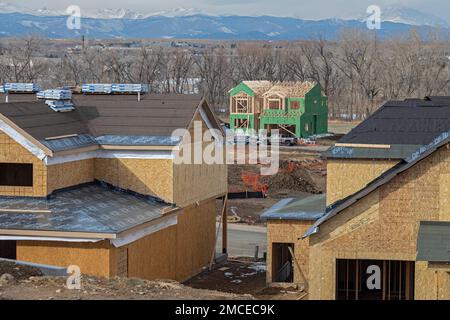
90 177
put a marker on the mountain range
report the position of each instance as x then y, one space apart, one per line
195 24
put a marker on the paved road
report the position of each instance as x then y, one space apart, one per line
243 239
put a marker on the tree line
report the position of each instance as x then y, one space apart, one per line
358 72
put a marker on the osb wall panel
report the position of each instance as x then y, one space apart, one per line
195 239
346 176
69 174
196 182
383 225
92 258
11 151
210 179
431 284
146 176
178 252
283 231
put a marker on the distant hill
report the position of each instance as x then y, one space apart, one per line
193 24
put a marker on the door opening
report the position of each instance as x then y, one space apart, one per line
282 264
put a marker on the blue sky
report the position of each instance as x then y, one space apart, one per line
315 9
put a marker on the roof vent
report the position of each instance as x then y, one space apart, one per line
21 87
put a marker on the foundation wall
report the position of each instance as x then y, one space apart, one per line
346 176
283 231
92 258
13 152
384 226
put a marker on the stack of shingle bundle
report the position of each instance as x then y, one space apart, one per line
97 88
22 87
130 88
60 105
55 94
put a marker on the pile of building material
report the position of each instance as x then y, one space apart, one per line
105 88
130 88
55 94
60 105
21 87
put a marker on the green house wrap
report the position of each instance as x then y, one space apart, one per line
296 109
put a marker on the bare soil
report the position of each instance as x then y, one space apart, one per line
28 284
243 276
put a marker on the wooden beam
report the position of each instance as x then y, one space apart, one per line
224 208
114 147
57 234
62 137
225 225
299 268
24 211
362 145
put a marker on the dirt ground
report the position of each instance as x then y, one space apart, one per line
29 284
243 276
302 173
240 279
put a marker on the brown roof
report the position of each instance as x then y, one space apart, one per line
154 115
98 115
39 121
18 97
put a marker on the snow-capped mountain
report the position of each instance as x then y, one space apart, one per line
195 24
105 13
411 16
404 15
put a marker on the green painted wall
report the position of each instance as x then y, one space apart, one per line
310 119
241 88
251 119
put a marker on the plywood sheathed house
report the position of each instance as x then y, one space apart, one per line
106 190
387 212
387 177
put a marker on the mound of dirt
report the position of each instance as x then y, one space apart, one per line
19 272
298 180
298 176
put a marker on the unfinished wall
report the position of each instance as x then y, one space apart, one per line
432 282
284 231
178 252
210 179
92 258
146 176
346 176
13 152
69 174
382 226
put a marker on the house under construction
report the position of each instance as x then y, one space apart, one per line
98 186
297 109
385 230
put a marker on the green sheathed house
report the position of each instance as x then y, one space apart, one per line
295 108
